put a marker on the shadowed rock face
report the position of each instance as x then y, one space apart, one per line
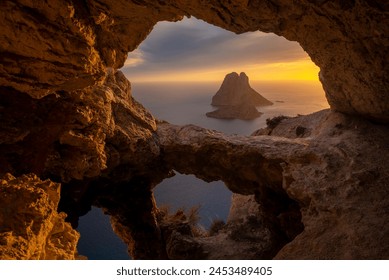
77 135
65 45
237 99
67 114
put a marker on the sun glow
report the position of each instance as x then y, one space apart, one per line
303 70
193 50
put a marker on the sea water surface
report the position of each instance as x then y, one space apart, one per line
187 103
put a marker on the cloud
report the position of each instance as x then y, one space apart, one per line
134 58
193 45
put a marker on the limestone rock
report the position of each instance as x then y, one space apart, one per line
348 195
54 46
76 135
31 227
320 194
244 236
211 155
236 99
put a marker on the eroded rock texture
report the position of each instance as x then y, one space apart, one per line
66 113
49 46
31 227
79 134
320 192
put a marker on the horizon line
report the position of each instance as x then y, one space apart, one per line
220 81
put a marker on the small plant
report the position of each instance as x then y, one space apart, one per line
193 215
180 217
163 212
273 122
216 226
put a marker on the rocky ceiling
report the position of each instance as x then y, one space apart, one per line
51 46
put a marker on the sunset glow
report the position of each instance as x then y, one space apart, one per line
193 50
303 70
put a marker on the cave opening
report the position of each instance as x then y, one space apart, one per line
175 71
180 65
165 85
211 200
97 240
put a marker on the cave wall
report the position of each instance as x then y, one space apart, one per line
49 46
97 131
31 227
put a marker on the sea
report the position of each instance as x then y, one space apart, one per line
187 103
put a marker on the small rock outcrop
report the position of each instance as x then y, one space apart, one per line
236 99
31 227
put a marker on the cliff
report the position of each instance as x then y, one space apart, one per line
67 114
236 99
31 227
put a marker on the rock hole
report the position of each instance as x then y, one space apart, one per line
187 191
129 212
154 71
98 241
187 103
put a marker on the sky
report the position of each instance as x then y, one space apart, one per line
193 50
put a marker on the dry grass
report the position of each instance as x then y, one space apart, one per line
181 216
216 226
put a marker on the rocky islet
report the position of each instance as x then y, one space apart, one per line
236 99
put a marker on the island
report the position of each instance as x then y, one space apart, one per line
236 99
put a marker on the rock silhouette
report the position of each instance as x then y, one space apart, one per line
236 99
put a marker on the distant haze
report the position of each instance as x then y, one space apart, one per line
193 50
